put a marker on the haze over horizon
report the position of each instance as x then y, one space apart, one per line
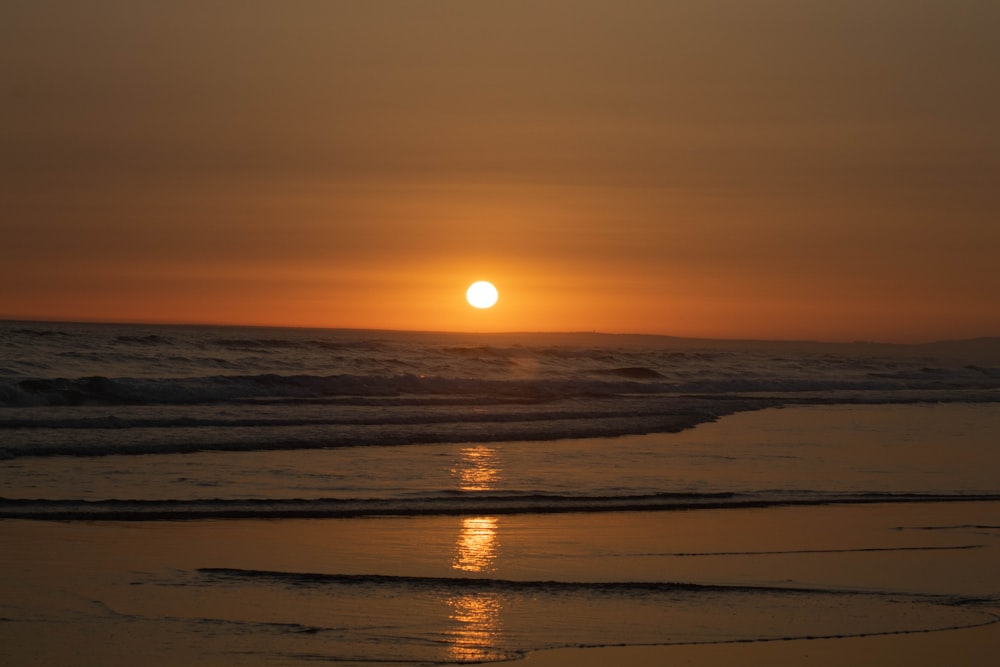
729 169
983 344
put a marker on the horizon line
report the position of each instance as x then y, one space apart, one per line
594 332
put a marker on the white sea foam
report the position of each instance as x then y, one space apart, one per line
86 390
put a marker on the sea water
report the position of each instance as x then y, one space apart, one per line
430 498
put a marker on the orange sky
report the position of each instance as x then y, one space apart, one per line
721 168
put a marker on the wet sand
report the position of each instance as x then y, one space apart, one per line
121 593
971 647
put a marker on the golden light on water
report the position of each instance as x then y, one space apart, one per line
476 548
478 469
477 616
478 627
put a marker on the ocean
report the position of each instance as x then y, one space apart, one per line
236 495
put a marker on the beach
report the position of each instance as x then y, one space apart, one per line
761 586
974 647
423 334
555 334
545 500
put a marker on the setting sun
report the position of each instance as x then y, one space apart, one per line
725 230
481 294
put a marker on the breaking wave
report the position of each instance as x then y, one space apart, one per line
446 504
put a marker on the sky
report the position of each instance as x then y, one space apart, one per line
788 169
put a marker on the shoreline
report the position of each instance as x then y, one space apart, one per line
125 511
855 574
973 646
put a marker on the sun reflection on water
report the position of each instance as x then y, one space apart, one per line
476 548
476 615
478 630
478 469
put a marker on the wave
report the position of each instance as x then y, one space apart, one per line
254 343
546 614
411 417
277 424
39 333
101 390
462 503
633 372
487 584
249 434
145 339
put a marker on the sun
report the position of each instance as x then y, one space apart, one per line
481 294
